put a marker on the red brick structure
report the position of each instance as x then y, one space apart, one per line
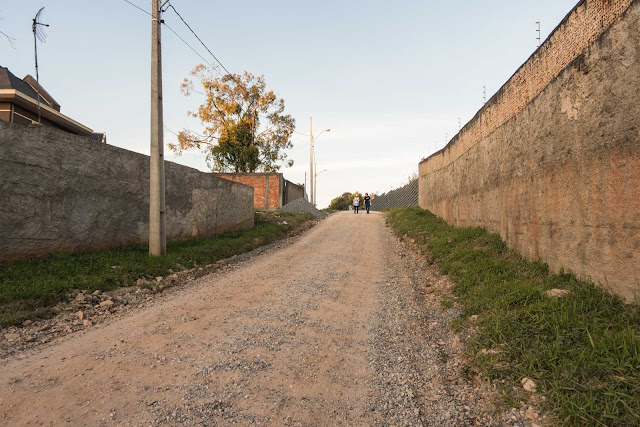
271 190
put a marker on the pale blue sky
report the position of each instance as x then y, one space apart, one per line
390 78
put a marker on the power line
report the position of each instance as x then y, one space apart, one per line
232 76
173 31
191 47
138 7
199 39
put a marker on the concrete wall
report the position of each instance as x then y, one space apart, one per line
63 193
293 192
552 162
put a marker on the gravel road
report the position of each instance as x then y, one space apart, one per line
340 326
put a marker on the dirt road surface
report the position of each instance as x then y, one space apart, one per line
337 327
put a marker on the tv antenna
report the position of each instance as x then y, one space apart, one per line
539 38
38 34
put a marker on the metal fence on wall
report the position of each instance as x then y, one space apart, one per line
403 196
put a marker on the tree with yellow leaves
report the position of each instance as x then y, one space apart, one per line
245 128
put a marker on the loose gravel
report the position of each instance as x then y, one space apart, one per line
301 205
315 331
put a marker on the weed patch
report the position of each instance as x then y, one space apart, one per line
582 349
31 288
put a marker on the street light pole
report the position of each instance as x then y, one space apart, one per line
311 160
312 187
315 195
157 215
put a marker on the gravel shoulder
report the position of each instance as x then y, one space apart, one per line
316 332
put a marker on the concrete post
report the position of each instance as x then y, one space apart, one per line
157 215
266 191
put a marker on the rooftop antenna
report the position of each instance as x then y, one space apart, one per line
539 38
38 34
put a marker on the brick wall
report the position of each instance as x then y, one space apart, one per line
552 162
268 187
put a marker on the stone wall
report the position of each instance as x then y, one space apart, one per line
65 193
552 162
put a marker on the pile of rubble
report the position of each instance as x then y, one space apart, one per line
81 309
301 205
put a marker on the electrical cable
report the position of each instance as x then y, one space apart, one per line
138 7
232 76
191 47
199 39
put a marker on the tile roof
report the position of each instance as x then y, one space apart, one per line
9 81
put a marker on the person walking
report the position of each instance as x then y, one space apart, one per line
367 202
356 204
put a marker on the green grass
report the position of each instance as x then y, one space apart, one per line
582 350
330 210
31 288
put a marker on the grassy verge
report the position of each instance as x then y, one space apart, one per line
330 210
31 288
582 350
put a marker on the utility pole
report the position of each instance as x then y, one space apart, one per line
539 34
484 94
311 160
157 213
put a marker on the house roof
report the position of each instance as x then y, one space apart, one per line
8 80
22 93
43 93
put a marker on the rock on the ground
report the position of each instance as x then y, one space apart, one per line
106 304
529 385
558 293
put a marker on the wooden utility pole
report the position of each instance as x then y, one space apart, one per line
157 214
311 160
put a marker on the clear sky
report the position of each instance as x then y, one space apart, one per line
390 78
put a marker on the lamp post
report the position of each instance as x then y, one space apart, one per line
311 139
315 189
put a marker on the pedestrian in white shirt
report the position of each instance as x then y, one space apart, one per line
356 204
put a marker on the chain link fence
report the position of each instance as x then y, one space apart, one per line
403 196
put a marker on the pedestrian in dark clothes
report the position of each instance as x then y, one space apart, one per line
367 201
